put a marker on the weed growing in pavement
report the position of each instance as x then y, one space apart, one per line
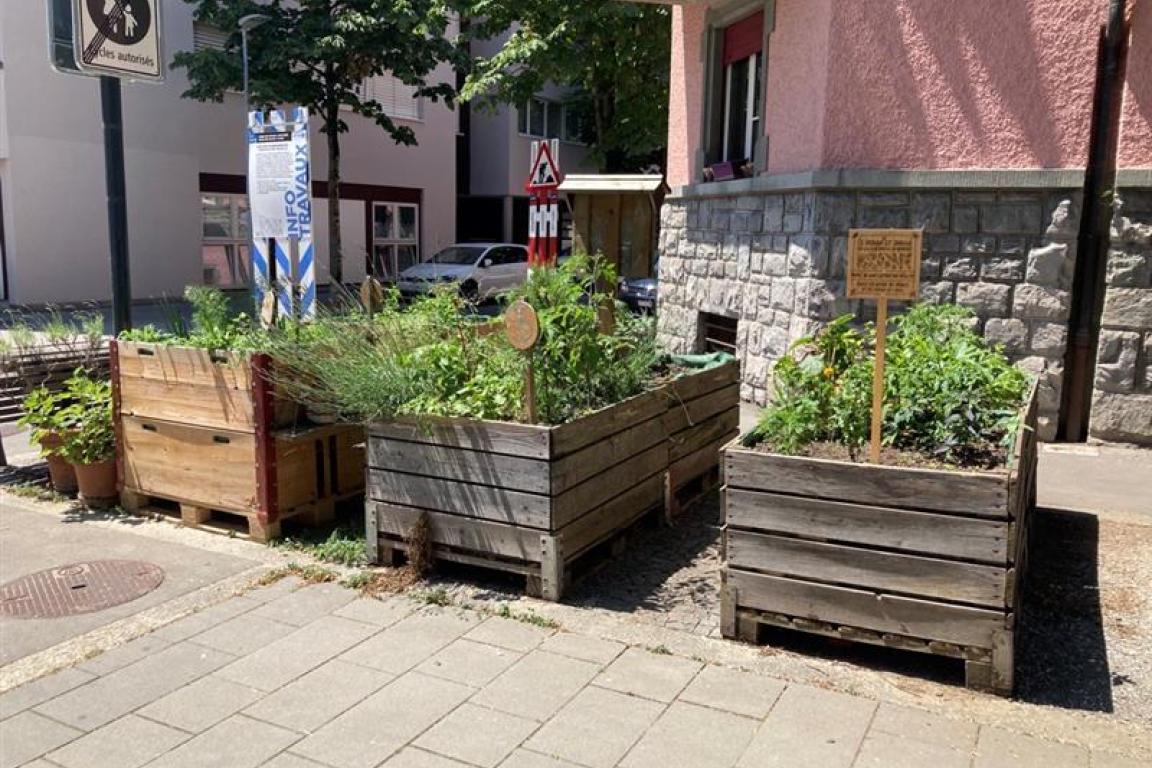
343 546
659 650
527 617
36 492
309 574
358 580
435 596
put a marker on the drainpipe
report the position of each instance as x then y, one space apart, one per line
1095 229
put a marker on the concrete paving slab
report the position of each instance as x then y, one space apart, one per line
1110 760
123 655
128 742
998 748
883 750
243 634
478 735
291 656
583 647
306 604
410 757
201 621
60 540
289 760
200 705
919 725
597 728
108 698
810 728
309 702
538 685
523 758
509 633
238 742
410 641
29 735
38 691
382 613
651 675
474 664
370 732
1106 480
738 692
691 736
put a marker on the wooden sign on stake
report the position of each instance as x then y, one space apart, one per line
883 264
522 328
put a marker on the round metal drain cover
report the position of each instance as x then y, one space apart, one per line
78 588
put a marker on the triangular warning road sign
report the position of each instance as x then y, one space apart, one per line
545 173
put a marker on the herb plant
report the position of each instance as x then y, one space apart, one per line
91 436
948 395
47 416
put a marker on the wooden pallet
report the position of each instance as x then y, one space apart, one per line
253 525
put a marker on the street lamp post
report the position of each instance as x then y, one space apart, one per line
247 24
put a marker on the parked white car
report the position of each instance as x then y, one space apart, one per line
481 270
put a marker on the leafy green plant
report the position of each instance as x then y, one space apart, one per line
342 547
948 394
47 415
91 437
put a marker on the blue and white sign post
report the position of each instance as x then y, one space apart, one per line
280 202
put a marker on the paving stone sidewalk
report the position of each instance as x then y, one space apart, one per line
292 676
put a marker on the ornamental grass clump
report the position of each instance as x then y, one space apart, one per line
948 395
437 358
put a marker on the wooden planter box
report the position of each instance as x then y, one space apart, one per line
927 560
533 499
206 431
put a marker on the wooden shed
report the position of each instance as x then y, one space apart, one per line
618 216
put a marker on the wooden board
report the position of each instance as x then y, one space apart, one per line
190 464
480 501
970 493
853 607
216 407
467 533
495 469
583 498
615 514
591 460
694 385
723 425
690 413
980 540
857 567
187 365
522 440
571 437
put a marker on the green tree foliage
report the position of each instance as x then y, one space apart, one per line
317 53
615 55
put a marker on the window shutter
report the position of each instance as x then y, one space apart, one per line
397 99
744 38
207 38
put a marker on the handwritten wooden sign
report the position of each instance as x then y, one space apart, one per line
884 263
521 326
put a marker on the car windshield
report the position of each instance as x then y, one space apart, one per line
458 255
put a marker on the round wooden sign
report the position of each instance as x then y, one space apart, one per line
372 295
521 326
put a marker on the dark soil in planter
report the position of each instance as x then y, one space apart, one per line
985 458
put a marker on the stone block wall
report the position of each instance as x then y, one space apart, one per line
776 261
1122 394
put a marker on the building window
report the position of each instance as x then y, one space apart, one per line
399 101
224 240
543 119
735 82
717 333
395 239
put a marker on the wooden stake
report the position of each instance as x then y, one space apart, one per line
530 390
878 379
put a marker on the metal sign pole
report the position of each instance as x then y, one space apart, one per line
117 202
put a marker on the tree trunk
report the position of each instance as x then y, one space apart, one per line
335 255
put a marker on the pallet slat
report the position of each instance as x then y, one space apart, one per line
522 440
484 468
460 498
952 536
866 568
883 613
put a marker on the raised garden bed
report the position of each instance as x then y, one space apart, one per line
924 559
534 499
204 430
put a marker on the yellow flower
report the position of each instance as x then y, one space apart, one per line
829 372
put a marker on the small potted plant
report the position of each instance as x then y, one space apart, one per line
45 413
90 445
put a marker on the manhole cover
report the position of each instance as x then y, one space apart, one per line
78 588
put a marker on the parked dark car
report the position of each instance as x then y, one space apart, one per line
639 293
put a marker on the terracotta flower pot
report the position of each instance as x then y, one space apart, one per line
97 483
60 472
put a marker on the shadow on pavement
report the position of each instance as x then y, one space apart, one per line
1061 653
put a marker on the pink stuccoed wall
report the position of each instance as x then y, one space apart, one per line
1136 121
924 84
